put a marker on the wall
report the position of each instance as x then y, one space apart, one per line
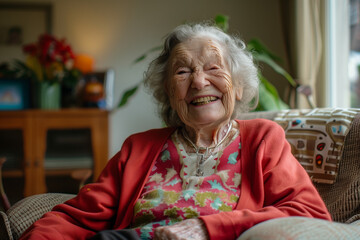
115 32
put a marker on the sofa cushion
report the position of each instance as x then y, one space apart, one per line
298 228
317 138
25 212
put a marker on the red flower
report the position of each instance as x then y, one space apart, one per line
52 54
49 50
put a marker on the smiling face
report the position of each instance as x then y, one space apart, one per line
199 83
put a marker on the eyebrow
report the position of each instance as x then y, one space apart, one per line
215 51
182 59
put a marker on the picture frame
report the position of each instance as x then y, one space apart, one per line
14 94
22 23
96 89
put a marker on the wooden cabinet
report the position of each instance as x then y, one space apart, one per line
35 124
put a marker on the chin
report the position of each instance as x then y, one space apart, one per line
208 120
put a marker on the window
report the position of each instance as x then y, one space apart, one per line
354 53
344 53
338 53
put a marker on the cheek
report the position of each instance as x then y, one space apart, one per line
177 92
178 102
178 89
223 82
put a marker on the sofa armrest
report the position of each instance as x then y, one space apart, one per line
25 212
262 114
297 228
5 229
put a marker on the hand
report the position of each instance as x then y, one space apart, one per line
187 229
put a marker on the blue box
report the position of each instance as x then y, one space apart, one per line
14 94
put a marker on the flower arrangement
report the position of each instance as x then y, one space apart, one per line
55 72
51 60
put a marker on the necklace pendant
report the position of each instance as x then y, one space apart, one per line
203 153
199 171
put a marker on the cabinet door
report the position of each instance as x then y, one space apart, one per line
93 119
20 121
34 125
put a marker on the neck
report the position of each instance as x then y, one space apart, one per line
208 136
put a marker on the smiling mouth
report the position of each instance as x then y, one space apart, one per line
204 100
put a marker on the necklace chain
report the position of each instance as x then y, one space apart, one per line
203 156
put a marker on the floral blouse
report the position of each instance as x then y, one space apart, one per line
174 193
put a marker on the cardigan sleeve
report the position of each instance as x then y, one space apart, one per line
92 210
274 185
106 204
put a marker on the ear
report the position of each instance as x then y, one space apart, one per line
238 93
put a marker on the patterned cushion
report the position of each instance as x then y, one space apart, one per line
299 228
317 138
25 212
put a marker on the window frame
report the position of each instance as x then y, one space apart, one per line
338 48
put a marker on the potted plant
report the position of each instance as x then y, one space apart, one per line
269 98
49 64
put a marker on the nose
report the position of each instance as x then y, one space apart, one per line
199 80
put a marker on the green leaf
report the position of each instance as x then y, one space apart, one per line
222 21
271 88
269 99
277 68
127 94
139 59
262 54
151 50
257 46
21 70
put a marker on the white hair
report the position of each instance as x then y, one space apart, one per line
243 71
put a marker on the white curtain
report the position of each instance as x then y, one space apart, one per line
309 29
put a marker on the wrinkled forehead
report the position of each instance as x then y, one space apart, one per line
199 47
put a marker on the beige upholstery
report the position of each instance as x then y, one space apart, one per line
300 228
342 199
20 216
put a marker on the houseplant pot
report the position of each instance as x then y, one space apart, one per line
48 95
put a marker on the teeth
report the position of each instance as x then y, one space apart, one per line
204 100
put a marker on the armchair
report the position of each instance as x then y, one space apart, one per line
326 143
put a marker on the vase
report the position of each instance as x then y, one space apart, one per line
48 95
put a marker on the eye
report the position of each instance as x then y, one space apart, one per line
213 67
182 70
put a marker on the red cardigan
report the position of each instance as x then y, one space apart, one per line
273 185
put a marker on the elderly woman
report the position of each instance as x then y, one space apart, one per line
206 176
